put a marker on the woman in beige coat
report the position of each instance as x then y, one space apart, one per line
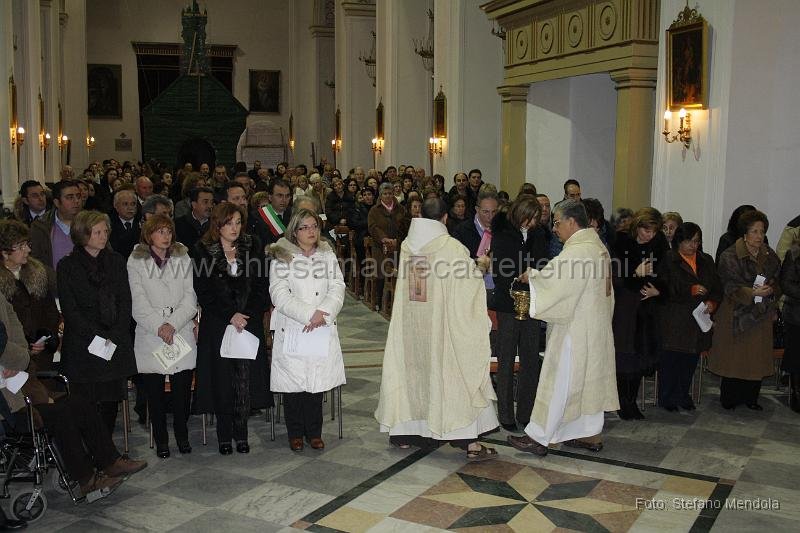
742 348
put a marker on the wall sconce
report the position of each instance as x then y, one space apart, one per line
90 141
436 145
17 137
684 133
336 145
291 132
44 140
377 145
62 141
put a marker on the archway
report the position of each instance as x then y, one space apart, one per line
196 151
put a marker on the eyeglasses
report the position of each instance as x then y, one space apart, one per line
312 227
21 245
556 222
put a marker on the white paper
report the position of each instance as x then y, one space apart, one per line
102 350
42 339
57 357
759 282
314 344
15 383
237 345
702 318
170 354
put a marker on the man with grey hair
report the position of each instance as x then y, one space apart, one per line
125 223
436 384
574 295
156 204
144 188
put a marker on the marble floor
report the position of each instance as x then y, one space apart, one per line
707 470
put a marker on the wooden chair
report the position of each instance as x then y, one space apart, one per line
370 277
354 279
387 299
342 233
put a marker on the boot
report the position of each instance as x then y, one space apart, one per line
794 392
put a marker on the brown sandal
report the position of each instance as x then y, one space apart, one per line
484 454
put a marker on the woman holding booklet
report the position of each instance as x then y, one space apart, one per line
690 280
307 289
164 306
231 286
96 350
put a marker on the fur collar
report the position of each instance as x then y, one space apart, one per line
32 275
284 251
142 251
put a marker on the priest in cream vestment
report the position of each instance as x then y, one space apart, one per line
436 382
573 294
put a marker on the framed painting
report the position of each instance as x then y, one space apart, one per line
265 91
105 91
687 62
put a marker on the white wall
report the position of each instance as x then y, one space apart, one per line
262 29
570 134
745 145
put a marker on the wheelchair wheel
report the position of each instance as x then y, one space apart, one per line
55 482
23 509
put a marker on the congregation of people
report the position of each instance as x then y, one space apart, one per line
139 257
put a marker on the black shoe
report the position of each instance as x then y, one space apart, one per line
527 444
255 412
728 407
10 525
242 447
635 412
225 448
687 405
671 408
509 427
163 453
754 406
184 447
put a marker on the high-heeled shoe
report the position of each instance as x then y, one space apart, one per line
184 447
163 453
242 447
225 448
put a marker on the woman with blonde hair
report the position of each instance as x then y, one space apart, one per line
301 187
671 222
164 307
304 303
96 305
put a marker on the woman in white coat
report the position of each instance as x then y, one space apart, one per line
164 306
307 289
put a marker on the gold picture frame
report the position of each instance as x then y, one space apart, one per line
440 115
687 47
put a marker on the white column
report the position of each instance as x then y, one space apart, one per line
51 85
8 159
74 88
402 82
355 93
28 76
462 36
323 68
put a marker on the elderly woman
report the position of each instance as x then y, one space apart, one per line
388 225
790 285
457 213
742 349
635 321
689 278
732 234
164 306
303 304
671 222
301 187
23 281
516 246
318 190
231 286
96 304
337 205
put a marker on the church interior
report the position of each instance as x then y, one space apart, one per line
684 106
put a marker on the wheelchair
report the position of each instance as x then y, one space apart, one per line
29 457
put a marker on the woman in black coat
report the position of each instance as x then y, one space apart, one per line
95 302
688 277
357 221
635 321
232 289
729 237
338 203
790 284
513 252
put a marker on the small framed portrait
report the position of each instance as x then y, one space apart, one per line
265 91
687 62
105 91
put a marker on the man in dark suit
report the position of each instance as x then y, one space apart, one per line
472 231
125 222
280 196
33 202
191 226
